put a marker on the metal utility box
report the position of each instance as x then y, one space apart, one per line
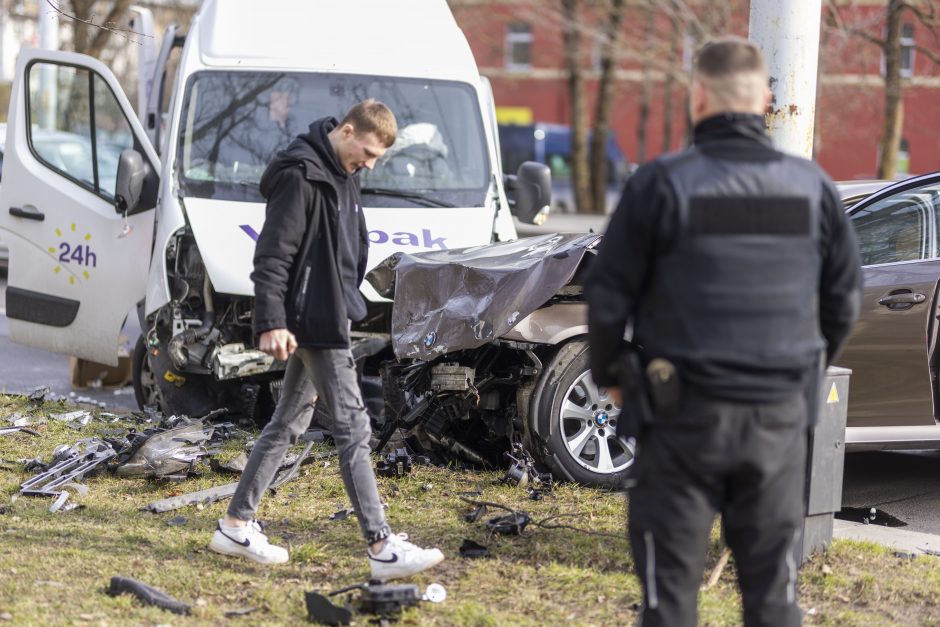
826 462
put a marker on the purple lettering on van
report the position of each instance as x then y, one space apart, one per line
251 232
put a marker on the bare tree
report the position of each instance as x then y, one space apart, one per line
90 31
580 181
926 13
605 88
646 89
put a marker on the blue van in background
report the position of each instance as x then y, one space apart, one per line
551 144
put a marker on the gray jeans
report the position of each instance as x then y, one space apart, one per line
331 373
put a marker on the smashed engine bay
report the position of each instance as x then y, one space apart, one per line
462 384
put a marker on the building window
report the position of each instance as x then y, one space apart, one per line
907 50
519 46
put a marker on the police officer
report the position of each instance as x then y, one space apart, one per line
739 272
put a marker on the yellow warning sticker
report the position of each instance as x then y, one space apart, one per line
833 395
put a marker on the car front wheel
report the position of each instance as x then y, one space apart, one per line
582 443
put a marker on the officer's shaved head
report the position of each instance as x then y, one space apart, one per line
732 75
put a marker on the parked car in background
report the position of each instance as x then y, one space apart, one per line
551 144
894 399
853 192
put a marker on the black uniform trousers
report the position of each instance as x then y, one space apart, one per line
745 461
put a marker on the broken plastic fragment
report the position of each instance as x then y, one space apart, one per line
475 514
473 550
321 610
435 593
510 524
38 394
343 514
147 594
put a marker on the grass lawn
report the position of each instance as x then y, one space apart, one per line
55 568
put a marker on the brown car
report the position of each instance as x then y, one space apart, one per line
893 349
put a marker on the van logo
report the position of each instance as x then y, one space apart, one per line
424 239
251 232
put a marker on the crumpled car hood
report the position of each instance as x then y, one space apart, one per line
464 298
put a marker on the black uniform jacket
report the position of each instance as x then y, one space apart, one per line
297 278
643 227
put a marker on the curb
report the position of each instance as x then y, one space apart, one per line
913 542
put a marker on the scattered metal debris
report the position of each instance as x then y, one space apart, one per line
203 497
218 493
16 429
69 464
321 610
343 514
147 594
60 505
473 550
382 600
243 611
396 464
167 454
38 395
475 514
509 524
177 521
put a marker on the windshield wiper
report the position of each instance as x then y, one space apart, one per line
398 193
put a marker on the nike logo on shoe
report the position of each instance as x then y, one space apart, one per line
246 542
391 561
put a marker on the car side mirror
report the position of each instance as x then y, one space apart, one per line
530 192
132 173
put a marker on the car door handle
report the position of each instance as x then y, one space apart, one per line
904 298
29 214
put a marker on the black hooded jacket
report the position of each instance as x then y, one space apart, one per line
308 246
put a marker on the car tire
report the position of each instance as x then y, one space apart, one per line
156 381
146 389
581 444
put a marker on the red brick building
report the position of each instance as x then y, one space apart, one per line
519 46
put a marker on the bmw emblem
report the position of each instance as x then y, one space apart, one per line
430 339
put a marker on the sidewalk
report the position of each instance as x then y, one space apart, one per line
913 542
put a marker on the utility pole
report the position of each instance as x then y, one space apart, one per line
787 31
48 40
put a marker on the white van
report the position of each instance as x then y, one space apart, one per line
103 214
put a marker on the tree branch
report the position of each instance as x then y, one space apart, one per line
108 27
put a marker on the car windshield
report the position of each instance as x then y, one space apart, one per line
235 122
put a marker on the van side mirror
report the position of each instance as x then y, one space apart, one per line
132 173
530 192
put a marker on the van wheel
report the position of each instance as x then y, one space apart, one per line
582 442
146 390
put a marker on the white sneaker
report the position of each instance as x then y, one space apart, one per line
247 541
400 558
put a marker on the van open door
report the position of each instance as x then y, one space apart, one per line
77 265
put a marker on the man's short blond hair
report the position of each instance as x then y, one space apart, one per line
372 116
733 70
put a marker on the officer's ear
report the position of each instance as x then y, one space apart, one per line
698 101
768 99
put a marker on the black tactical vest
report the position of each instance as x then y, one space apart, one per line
739 284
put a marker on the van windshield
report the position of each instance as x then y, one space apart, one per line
235 122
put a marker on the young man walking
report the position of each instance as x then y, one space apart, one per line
309 261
